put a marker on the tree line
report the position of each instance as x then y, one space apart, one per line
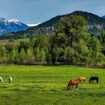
69 44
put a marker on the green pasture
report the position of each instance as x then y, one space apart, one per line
6 41
45 85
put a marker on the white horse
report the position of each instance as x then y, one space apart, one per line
1 80
10 79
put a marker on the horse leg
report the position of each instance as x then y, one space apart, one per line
72 86
84 80
97 81
80 81
77 86
68 87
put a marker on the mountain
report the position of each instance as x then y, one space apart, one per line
7 26
103 17
94 25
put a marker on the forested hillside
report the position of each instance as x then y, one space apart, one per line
69 44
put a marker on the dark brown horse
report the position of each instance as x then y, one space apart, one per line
72 83
94 79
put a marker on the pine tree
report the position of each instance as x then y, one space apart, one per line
14 57
30 56
22 56
43 56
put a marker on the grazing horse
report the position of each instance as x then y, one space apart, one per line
1 79
82 79
10 80
72 83
94 79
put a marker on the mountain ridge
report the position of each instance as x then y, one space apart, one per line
103 16
95 24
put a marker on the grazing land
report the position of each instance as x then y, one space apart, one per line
45 85
15 41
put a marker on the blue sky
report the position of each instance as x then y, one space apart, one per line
36 11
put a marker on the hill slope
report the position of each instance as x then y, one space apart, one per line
95 24
103 17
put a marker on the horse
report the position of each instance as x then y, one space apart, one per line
1 79
10 80
82 79
94 79
72 83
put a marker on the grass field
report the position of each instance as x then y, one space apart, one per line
45 85
14 41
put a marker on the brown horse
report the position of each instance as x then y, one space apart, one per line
82 79
72 83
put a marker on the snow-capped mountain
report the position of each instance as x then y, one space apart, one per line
11 26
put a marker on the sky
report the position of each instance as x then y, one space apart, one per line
37 11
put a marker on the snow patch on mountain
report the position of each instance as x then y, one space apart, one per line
32 25
13 25
14 21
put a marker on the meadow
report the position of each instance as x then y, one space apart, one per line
45 85
13 41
